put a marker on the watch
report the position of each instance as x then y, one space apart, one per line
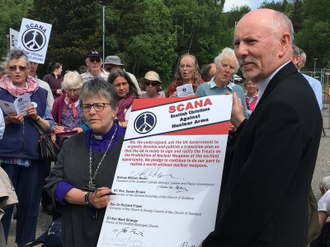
38 118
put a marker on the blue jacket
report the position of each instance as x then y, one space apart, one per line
21 140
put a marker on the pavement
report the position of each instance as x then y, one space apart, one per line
322 169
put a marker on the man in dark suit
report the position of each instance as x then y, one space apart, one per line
268 174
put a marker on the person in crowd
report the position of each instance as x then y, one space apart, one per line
251 95
45 199
3 70
187 72
227 65
87 163
152 85
32 70
208 71
94 63
55 78
127 92
303 59
67 113
19 151
114 62
323 214
315 84
267 176
82 69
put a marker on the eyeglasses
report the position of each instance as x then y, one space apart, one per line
14 68
77 90
109 68
92 60
97 107
147 83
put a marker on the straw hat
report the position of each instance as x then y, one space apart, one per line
150 76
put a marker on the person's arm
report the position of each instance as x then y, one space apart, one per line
267 174
322 218
42 123
77 196
2 124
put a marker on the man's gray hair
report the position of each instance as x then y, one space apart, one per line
16 54
226 53
325 182
295 51
303 55
280 21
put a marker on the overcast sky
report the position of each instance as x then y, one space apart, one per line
253 4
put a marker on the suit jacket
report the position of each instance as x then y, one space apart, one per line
268 174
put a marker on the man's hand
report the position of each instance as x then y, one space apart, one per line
237 116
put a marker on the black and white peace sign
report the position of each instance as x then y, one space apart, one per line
145 122
33 39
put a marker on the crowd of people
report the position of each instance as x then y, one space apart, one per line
273 139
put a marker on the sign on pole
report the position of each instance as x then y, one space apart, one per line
13 38
33 39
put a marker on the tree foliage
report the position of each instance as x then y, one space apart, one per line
152 34
11 14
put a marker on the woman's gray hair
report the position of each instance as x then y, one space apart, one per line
325 182
72 79
100 88
16 54
226 53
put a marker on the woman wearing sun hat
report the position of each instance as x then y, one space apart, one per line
152 85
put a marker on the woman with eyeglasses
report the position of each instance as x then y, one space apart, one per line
187 72
81 179
127 92
66 112
55 79
19 148
152 85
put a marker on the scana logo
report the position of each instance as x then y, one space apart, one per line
33 39
145 122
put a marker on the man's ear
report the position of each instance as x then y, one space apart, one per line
86 62
285 44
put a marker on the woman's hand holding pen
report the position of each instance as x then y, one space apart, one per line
58 128
100 198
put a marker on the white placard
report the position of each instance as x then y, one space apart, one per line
185 90
33 39
13 38
168 177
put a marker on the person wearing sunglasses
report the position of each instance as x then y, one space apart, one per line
19 151
55 78
94 63
81 180
152 85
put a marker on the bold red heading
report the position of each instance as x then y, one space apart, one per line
190 105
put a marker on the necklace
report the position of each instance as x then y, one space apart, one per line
91 178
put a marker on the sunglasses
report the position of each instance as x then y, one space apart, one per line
14 68
151 83
92 60
108 68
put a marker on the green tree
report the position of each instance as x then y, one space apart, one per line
76 28
314 37
11 14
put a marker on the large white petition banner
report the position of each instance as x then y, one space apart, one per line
169 173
